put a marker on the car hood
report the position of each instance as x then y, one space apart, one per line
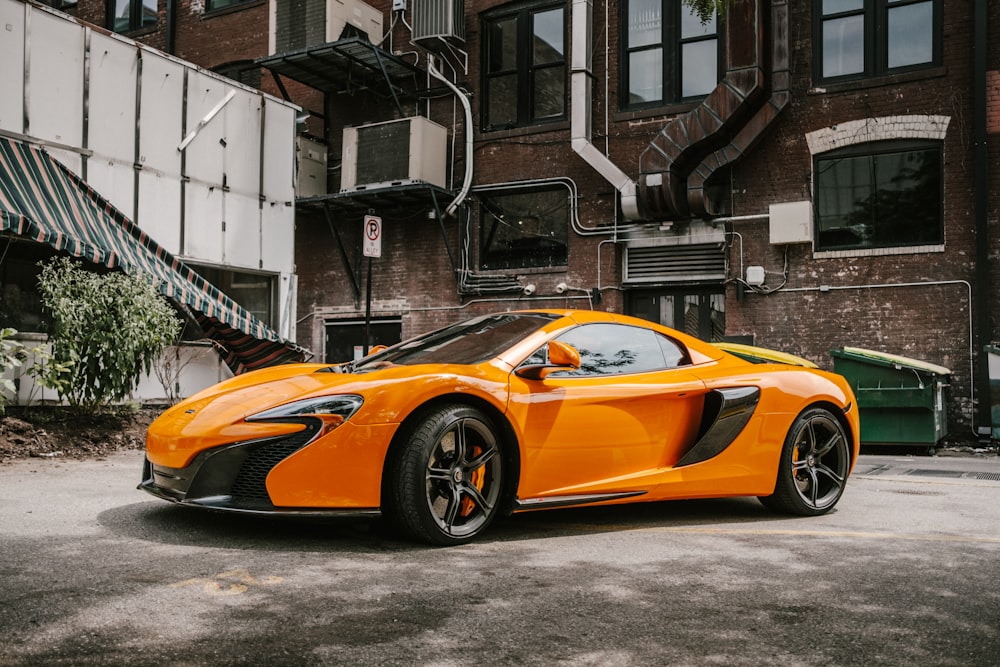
217 415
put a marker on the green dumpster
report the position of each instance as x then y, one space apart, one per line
900 400
993 361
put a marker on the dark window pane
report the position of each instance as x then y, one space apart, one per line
645 22
148 13
700 68
911 35
837 6
843 46
503 45
524 230
550 93
645 76
502 93
879 200
548 42
691 25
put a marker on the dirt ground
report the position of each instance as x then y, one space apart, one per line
49 432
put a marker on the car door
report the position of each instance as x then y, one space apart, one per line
615 424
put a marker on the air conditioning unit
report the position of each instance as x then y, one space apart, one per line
364 17
311 163
434 20
394 152
298 24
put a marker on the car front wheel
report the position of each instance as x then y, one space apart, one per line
815 461
446 480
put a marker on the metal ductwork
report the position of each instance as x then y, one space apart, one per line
677 164
676 167
581 60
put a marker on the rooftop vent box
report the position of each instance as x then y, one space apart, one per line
298 24
394 152
437 20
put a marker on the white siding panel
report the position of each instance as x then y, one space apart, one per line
242 133
55 79
205 154
115 182
278 237
279 152
71 159
160 209
203 223
160 115
243 239
12 57
111 112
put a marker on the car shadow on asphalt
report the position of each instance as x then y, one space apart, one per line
171 524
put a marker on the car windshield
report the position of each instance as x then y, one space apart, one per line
470 342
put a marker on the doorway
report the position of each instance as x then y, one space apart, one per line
345 339
698 312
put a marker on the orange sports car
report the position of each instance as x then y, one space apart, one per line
505 413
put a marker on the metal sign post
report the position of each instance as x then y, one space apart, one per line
372 248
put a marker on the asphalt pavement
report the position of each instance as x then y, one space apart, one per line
904 572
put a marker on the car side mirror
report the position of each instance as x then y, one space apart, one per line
561 357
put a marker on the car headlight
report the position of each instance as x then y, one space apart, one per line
331 410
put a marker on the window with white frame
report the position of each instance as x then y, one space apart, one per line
879 195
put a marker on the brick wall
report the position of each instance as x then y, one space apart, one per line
415 279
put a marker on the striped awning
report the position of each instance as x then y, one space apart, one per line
42 200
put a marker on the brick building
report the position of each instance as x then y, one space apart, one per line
800 175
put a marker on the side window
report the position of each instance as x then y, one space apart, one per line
617 349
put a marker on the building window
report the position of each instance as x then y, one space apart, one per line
212 5
882 195
523 230
256 292
668 54
524 56
863 38
60 4
131 15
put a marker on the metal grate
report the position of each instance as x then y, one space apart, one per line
249 487
675 263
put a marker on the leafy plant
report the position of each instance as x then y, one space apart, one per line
11 356
106 331
705 8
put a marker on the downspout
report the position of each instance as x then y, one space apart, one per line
581 91
170 38
984 287
469 151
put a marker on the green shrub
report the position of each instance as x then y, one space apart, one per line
11 356
106 331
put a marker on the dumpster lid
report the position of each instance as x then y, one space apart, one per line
763 355
886 359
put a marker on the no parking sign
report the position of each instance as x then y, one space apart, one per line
373 236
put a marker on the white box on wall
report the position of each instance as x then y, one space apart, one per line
791 222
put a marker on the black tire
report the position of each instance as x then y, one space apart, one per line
445 481
815 460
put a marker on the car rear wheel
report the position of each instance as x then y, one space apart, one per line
447 477
814 464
